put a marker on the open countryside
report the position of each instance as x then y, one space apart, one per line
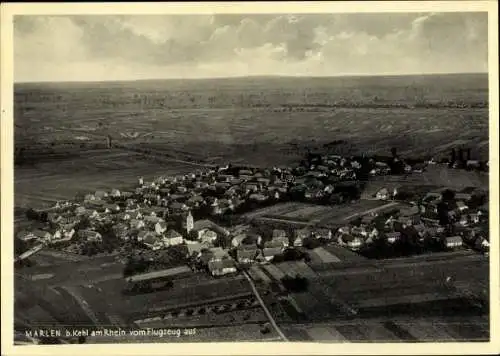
270 206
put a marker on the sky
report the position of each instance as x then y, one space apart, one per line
105 47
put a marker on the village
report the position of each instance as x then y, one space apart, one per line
196 222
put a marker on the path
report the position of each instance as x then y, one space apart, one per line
268 313
388 205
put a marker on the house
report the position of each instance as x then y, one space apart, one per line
111 208
302 233
279 242
264 181
359 231
222 186
352 242
367 219
160 227
151 240
236 240
245 172
298 241
226 204
206 236
251 239
246 254
258 197
393 237
124 216
475 218
464 220
409 211
172 238
63 235
222 267
126 195
382 194
473 164
421 229
463 196
89 235
481 244
121 230
279 234
93 214
208 224
89 197
195 200
373 233
461 206
136 215
137 224
344 230
216 209
195 248
406 220
452 242
100 194
33 235
270 252
322 234
217 254
152 220
178 207
80 210
115 193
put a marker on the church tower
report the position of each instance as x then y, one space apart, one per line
189 222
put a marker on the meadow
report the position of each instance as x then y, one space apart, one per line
61 128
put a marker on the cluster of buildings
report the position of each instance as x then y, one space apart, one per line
151 212
422 224
184 210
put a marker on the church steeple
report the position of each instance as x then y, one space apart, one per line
189 222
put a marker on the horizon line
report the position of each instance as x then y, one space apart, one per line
248 77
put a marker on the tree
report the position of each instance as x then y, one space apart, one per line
31 214
83 224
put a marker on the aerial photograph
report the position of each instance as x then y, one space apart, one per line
286 177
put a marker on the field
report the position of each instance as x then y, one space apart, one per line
399 300
430 329
172 127
48 181
99 284
435 176
308 214
60 128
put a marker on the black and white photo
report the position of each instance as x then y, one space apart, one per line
279 177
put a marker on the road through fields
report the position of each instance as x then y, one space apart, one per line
270 317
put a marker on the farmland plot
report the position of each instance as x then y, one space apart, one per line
63 179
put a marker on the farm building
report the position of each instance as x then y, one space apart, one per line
452 242
222 267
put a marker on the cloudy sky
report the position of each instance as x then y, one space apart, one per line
103 47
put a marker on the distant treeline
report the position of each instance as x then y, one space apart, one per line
372 96
193 103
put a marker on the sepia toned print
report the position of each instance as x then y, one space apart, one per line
251 177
